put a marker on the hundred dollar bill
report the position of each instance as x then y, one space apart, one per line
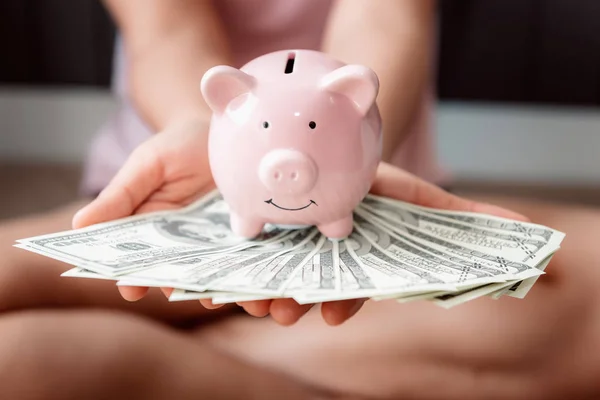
524 229
185 274
451 298
202 274
234 297
367 271
271 275
448 299
142 241
351 279
475 256
189 295
495 291
217 297
511 245
264 280
317 274
177 294
459 273
83 273
326 262
521 288
414 298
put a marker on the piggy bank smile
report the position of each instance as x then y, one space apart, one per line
271 202
295 140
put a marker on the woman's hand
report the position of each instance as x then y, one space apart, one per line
168 171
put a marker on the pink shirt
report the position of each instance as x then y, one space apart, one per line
255 27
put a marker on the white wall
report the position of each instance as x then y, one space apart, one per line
546 145
551 145
50 125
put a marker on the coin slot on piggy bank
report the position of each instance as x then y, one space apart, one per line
295 140
289 65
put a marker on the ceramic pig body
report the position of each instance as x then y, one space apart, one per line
295 139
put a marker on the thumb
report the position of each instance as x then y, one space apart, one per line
139 177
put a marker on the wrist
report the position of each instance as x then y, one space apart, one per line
191 131
161 109
160 98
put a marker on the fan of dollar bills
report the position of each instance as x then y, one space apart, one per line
397 251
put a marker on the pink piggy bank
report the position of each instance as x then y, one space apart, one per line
295 140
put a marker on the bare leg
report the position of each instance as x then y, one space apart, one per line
101 355
541 347
28 280
339 229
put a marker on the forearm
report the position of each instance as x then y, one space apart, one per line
169 47
394 38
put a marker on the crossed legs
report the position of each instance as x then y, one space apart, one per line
540 347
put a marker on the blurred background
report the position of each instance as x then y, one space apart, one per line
518 86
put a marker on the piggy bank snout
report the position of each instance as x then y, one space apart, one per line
287 171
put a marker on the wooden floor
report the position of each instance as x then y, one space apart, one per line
28 188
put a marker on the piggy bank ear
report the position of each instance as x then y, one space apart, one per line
358 83
222 83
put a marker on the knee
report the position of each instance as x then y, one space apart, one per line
14 281
52 355
25 278
25 359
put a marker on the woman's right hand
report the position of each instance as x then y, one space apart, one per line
168 171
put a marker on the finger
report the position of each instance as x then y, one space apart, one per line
258 308
156 206
132 293
166 291
287 311
398 184
181 190
338 312
141 175
208 304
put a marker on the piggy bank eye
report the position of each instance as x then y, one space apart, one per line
312 124
265 124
